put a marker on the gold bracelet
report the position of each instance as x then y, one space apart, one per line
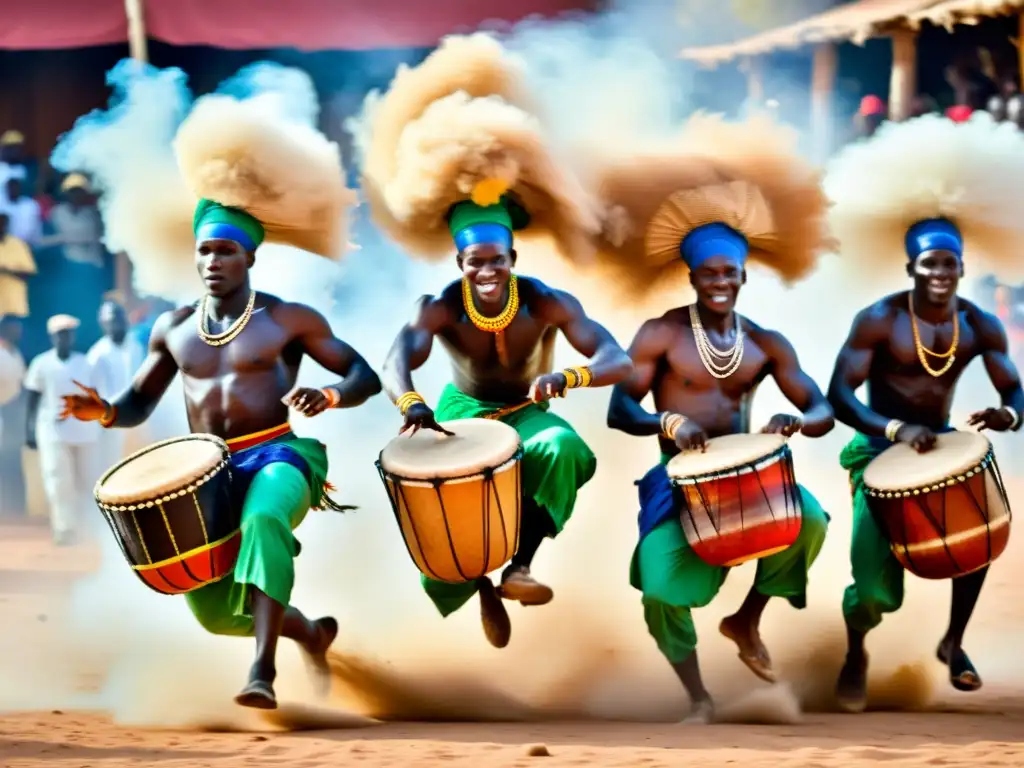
578 376
408 400
333 396
892 429
109 416
670 424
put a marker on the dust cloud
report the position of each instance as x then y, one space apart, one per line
587 654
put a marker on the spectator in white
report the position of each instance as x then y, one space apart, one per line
67 448
23 212
16 266
77 223
114 359
12 161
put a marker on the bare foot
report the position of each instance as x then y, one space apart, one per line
702 712
493 616
257 694
852 687
315 654
752 650
962 674
518 584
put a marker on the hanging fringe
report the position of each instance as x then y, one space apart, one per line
327 503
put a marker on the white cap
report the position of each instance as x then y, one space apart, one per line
59 323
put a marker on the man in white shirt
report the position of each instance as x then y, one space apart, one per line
25 217
114 358
12 165
66 448
77 223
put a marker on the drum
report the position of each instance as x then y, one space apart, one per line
457 499
944 512
170 509
740 499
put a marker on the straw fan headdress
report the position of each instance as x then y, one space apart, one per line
717 188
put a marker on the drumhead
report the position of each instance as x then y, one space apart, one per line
161 468
478 444
901 467
725 452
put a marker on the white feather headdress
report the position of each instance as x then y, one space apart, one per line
971 173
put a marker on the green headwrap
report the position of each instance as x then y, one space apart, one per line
471 223
213 221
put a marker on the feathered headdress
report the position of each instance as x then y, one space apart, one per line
963 180
165 171
453 145
717 187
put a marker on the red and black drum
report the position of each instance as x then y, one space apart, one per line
740 498
169 508
945 512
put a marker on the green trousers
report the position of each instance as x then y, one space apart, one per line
556 464
277 501
674 580
878 577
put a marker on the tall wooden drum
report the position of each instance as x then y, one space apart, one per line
169 507
457 499
740 500
945 512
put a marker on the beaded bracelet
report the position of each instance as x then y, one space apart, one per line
892 429
109 416
670 424
1014 414
577 377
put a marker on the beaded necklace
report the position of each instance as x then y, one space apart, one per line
922 351
499 322
220 339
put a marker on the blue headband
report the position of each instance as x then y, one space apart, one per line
933 235
484 232
220 230
709 240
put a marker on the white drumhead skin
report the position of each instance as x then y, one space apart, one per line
478 444
156 470
725 452
900 467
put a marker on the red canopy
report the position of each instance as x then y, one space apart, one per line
254 24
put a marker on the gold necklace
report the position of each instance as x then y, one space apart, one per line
708 351
499 322
220 339
949 355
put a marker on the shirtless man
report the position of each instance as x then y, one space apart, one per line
910 387
702 364
500 331
239 351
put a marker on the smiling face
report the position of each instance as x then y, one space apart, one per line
936 276
488 267
223 265
717 282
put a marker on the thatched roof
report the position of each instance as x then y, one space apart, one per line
854 22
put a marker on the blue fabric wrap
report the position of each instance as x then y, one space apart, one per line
657 499
933 235
219 230
484 232
713 240
246 463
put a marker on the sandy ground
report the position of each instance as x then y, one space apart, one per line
987 730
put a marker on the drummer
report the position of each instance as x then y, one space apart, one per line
703 363
466 156
239 352
910 349
557 463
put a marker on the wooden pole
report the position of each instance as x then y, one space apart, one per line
903 78
139 50
136 30
823 77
